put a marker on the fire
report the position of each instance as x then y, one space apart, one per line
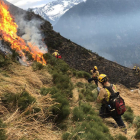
8 31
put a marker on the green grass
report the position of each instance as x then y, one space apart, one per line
137 135
137 122
21 100
120 137
88 125
37 66
2 131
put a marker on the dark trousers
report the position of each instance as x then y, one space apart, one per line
95 80
105 113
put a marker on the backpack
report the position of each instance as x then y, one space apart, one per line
116 102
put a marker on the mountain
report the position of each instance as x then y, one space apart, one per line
75 55
53 101
105 26
55 9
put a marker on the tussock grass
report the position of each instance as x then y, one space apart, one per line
128 115
137 135
120 137
87 125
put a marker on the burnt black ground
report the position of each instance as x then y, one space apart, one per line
80 58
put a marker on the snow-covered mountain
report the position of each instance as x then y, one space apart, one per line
54 10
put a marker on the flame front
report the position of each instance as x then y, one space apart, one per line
8 31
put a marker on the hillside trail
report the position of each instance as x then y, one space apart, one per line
131 98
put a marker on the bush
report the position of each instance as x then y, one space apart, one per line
81 96
85 107
128 116
120 137
50 59
61 81
80 84
2 131
137 135
65 136
45 91
22 100
78 114
137 122
60 110
82 74
129 109
37 66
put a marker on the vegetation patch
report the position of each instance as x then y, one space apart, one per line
88 125
2 131
137 122
128 115
37 66
137 135
22 100
120 137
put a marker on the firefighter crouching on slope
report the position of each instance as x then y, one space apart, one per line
56 54
104 97
95 74
134 68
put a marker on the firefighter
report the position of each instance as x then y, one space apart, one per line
95 74
105 96
56 54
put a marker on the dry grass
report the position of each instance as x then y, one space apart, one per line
17 79
20 125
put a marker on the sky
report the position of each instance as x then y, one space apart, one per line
25 4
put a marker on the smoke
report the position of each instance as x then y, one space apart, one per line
29 31
4 48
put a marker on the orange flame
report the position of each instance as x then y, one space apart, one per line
8 31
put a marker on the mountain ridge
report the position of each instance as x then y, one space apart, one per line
55 9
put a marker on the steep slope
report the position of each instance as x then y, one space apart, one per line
108 27
55 9
81 58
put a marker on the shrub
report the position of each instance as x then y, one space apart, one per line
60 110
78 114
2 131
81 96
80 84
83 74
52 90
137 135
85 107
80 74
61 81
137 122
129 117
37 66
65 136
129 109
50 59
120 137
22 100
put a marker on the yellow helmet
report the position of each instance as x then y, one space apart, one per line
95 67
56 50
102 78
138 68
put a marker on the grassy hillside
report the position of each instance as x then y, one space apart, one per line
55 102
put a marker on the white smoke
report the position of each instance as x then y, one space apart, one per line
29 31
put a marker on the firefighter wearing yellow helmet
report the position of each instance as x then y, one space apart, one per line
56 54
95 74
138 69
105 95
134 68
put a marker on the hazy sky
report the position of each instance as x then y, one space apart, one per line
25 4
